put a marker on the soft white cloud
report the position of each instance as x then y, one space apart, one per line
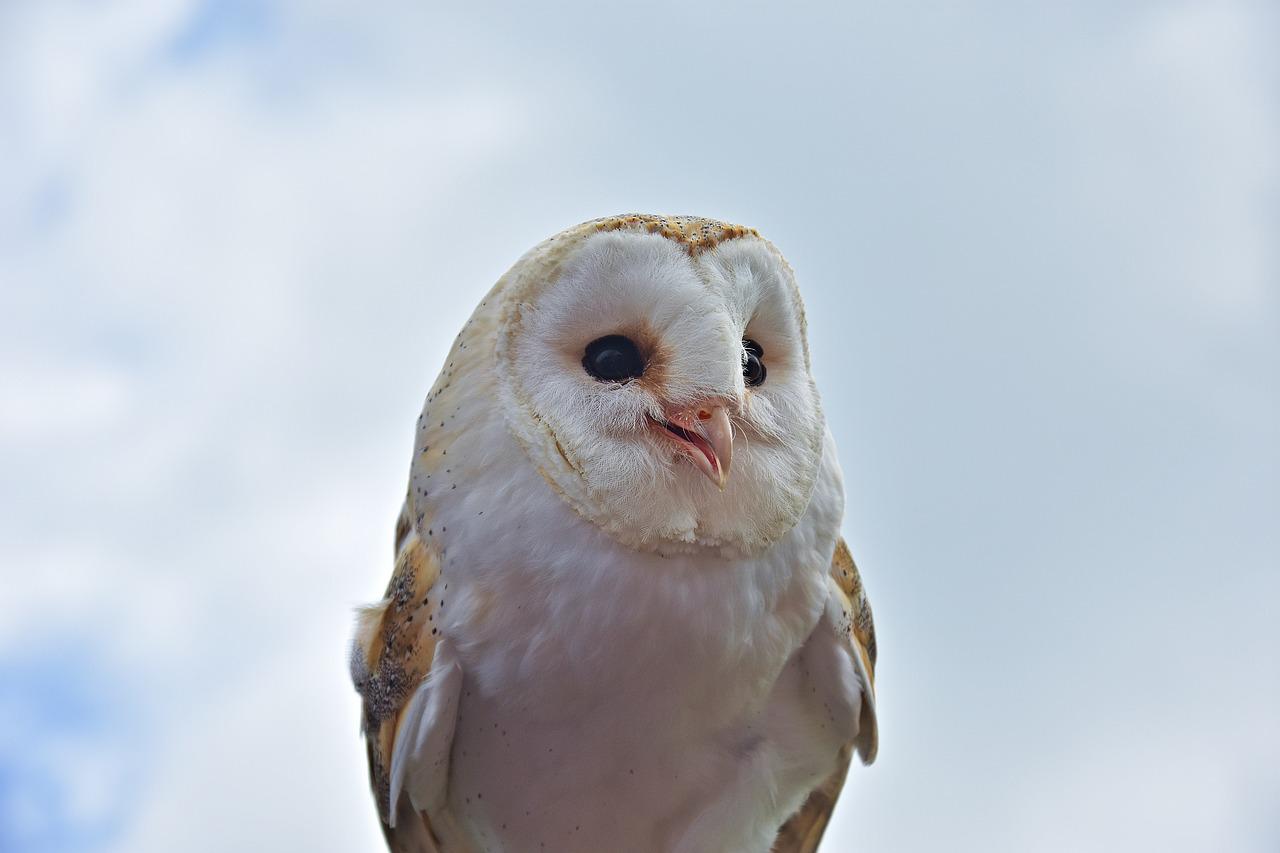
276 759
44 402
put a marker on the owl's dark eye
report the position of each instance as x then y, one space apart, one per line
753 366
613 358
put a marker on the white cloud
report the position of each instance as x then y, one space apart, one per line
275 762
43 402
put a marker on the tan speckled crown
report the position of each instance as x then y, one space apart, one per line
695 233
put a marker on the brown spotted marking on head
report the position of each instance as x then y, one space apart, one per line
695 233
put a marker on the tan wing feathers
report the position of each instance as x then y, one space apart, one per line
394 647
803 831
861 625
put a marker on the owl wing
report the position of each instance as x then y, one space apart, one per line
849 613
409 678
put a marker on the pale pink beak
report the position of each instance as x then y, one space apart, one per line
704 434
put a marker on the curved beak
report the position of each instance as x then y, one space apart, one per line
705 436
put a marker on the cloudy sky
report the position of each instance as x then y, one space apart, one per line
1039 251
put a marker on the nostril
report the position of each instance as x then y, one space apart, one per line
704 415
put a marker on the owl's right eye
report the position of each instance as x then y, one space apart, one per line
613 358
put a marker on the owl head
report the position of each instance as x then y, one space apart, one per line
655 371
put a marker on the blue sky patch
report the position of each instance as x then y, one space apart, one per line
218 23
68 755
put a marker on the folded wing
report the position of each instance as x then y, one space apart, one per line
845 659
410 679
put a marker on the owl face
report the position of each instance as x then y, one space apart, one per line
665 390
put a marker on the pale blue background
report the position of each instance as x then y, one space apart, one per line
1038 245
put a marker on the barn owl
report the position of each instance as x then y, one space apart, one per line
621 616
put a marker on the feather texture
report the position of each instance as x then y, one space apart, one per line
803 831
392 661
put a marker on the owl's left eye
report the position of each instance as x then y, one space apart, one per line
753 364
613 358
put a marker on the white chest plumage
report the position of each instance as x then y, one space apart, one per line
613 698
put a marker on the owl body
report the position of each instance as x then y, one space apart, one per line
589 645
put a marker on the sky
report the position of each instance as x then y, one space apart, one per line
1038 248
